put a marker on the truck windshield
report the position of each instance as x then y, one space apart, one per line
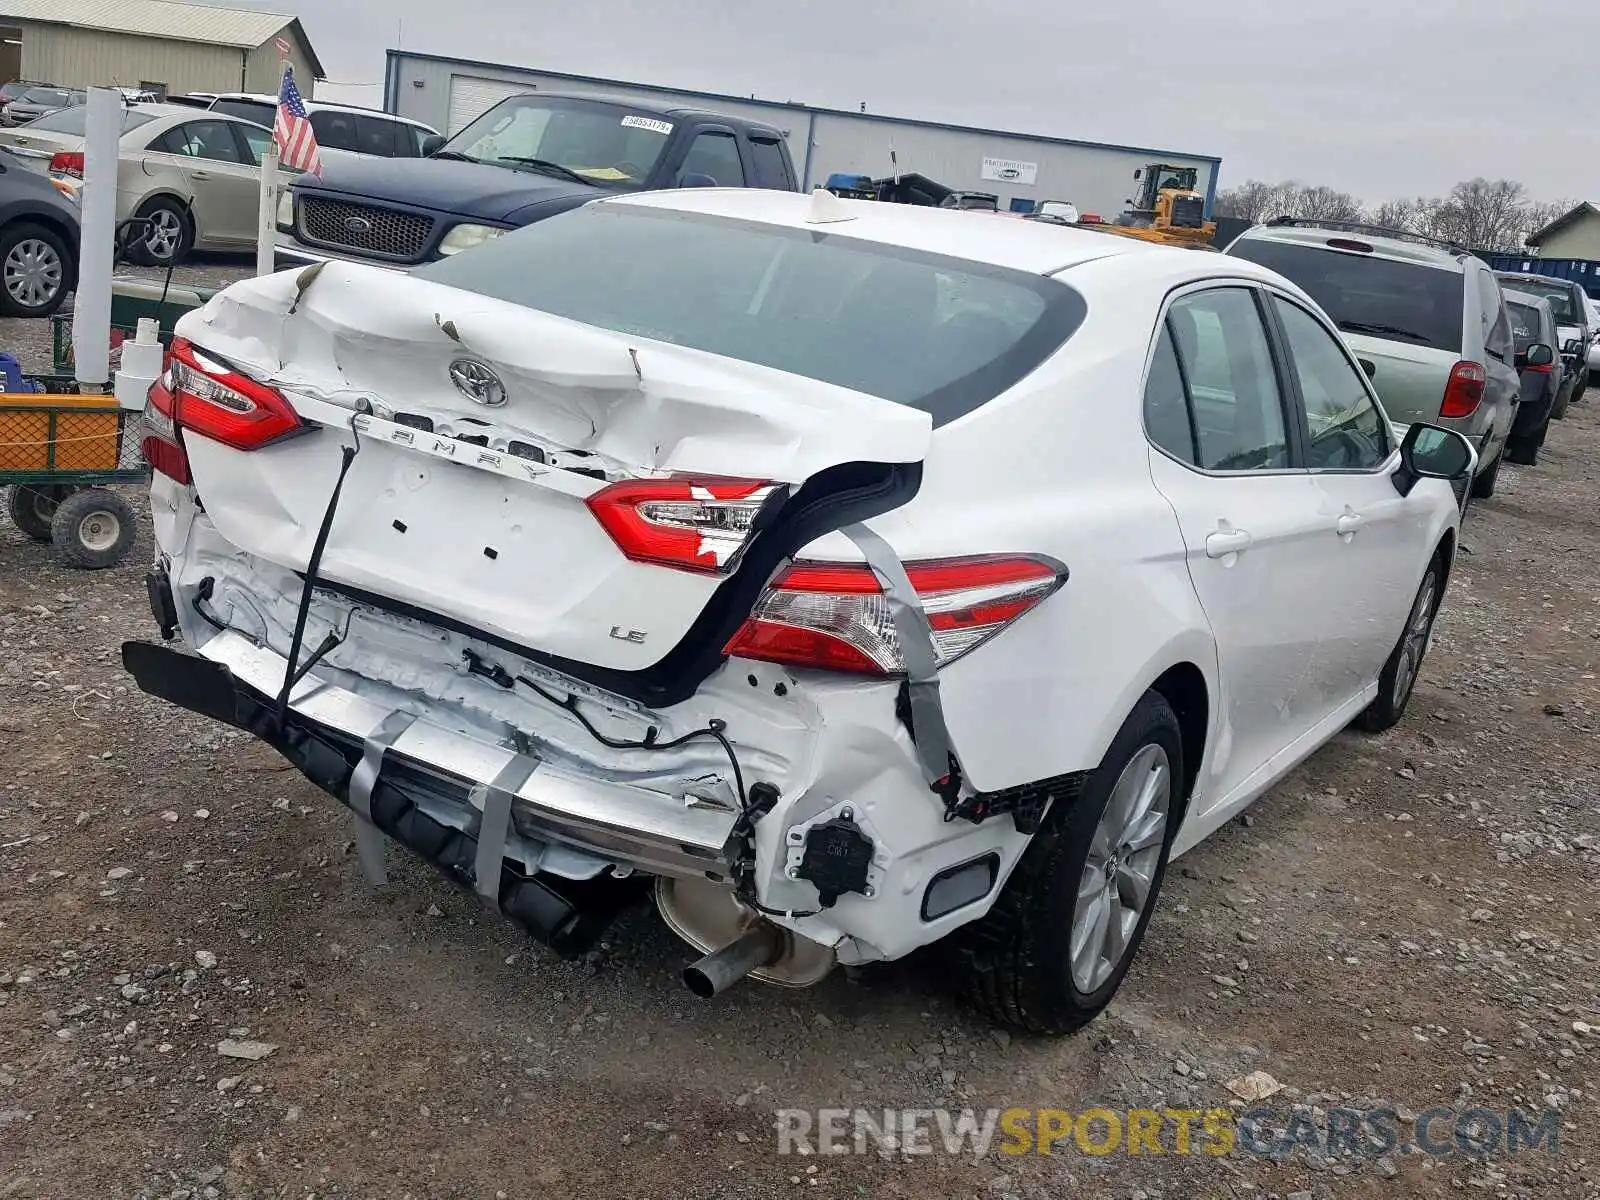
944 335
607 145
1379 297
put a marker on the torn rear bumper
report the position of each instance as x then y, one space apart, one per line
567 831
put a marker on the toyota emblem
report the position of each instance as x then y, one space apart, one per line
477 383
357 225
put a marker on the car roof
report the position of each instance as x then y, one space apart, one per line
1030 246
326 105
1397 249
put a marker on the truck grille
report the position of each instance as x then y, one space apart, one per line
1188 212
380 232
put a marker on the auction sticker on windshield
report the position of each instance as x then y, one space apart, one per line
649 123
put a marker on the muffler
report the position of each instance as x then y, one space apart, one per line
757 947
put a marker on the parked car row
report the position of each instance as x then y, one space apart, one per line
1443 338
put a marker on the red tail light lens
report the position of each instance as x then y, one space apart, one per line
1464 391
162 444
1546 369
67 162
835 616
223 405
692 524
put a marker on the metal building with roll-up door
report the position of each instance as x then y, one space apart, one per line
1020 168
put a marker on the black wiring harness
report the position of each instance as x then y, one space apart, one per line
753 804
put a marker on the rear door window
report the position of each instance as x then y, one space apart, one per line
258 111
714 154
1406 302
377 136
335 130
938 333
771 166
1226 360
1166 403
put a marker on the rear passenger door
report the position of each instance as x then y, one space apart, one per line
1224 454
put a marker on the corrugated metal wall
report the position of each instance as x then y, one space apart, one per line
1095 179
88 57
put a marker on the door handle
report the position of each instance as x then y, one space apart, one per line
1348 525
199 176
1226 541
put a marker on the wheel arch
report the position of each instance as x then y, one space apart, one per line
1183 686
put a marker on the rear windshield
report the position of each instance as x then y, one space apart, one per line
1376 297
1524 324
944 335
73 120
1562 301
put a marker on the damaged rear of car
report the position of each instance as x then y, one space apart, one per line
551 562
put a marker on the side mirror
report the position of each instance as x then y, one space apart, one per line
1572 346
1138 173
1429 452
693 179
1370 367
1540 355
431 143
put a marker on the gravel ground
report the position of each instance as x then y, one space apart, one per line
1408 920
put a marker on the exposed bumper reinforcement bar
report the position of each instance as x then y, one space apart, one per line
429 769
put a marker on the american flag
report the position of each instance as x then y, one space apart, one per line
297 144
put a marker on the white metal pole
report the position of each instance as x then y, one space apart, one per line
91 319
267 223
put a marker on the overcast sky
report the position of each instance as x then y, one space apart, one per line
1378 97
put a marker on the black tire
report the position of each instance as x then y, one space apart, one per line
93 529
171 224
1016 961
1390 705
35 270
1483 483
33 507
1564 395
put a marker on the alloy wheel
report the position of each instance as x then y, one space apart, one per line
1414 642
166 232
1120 871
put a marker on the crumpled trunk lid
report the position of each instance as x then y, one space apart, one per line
482 427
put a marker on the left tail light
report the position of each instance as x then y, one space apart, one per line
218 403
67 162
690 523
836 617
162 444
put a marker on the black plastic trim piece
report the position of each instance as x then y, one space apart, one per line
830 500
992 858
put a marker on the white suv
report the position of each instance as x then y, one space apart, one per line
864 574
344 128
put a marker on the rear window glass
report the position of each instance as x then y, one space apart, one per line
72 120
1524 324
1562 302
944 335
1374 297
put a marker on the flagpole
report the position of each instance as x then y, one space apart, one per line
267 212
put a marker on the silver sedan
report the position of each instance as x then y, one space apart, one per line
191 176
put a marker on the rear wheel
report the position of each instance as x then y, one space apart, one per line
1399 677
167 234
1563 398
32 507
1053 950
1483 484
35 271
93 529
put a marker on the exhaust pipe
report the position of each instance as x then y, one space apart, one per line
756 947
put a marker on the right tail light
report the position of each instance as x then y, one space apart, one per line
836 617
1464 391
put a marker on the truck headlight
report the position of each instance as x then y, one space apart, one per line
465 237
286 210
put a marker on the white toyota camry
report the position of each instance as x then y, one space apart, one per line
852 575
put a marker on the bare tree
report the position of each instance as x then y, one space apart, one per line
1399 214
1322 203
1481 214
1539 214
1252 200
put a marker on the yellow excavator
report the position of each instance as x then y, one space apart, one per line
1167 210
